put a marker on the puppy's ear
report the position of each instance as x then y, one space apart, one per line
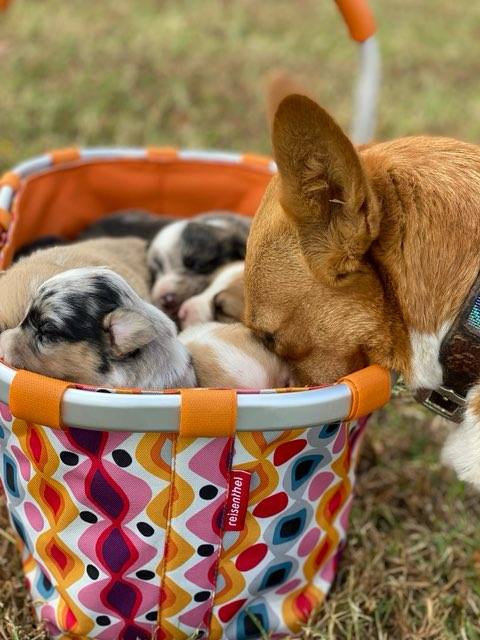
324 188
128 331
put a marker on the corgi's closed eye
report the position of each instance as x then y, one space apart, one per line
267 339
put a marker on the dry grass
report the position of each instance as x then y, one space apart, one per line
191 74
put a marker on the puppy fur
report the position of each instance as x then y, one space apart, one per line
231 356
183 255
365 256
130 222
89 326
126 256
222 300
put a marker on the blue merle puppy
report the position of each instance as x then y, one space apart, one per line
88 325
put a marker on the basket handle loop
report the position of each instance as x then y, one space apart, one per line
38 399
370 388
358 18
208 413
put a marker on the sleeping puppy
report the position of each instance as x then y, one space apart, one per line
89 326
367 256
119 224
130 222
183 255
222 300
231 356
126 256
44 242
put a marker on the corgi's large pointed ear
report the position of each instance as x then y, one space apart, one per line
324 188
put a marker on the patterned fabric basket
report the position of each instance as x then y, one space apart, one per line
199 513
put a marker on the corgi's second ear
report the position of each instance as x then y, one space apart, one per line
324 188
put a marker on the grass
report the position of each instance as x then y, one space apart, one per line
191 74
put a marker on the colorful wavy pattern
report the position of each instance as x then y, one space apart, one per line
122 533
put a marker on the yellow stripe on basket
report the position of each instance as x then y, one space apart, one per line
4 219
10 179
256 160
208 413
370 387
162 153
59 156
36 398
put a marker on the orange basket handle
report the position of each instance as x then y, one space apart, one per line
358 18
361 25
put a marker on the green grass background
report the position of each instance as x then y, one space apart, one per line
191 74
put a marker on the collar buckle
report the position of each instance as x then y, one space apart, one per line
443 401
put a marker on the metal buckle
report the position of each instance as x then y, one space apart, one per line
443 401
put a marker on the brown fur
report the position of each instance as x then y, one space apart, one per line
351 250
126 256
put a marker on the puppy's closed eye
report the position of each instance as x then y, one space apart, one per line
46 331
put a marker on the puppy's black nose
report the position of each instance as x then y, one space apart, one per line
169 303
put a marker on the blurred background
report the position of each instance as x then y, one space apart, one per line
192 74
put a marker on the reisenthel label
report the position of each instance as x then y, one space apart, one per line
237 500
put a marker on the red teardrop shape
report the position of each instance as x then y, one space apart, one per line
322 553
251 557
287 450
227 612
271 505
304 606
334 503
70 619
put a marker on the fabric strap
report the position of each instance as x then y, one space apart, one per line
208 413
370 388
36 398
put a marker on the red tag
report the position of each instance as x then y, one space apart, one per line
237 500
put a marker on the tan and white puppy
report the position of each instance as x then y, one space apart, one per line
125 256
89 326
360 256
222 301
231 356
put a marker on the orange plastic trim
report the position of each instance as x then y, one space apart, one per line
358 17
256 159
10 179
208 413
161 153
59 156
4 219
370 387
36 398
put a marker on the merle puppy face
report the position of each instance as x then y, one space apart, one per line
184 255
89 326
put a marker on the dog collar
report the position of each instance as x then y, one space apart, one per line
460 361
